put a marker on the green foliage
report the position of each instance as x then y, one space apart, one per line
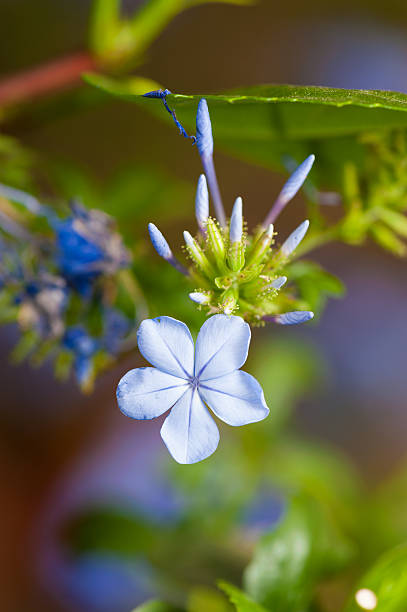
386 582
121 42
205 599
156 606
289 562
241 601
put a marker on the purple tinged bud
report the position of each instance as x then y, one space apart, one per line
294 239
202 203
294 317
278 282
199 298
159 242
236 222
290 189
204 139
296 180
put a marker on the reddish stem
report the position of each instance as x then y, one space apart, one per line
54 76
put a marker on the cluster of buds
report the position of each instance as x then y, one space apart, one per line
64 281
232 271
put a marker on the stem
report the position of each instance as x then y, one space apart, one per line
276 209
53 76
209 169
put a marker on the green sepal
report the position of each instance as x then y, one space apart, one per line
236 257
216 243
198 256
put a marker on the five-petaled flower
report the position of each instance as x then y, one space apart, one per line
189 381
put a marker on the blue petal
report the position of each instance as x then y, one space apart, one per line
189 432
294 317
221 347
237 399
145 393
167 344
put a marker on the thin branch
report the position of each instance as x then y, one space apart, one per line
54 76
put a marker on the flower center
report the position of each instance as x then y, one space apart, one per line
194 382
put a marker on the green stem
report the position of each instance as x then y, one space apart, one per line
151 19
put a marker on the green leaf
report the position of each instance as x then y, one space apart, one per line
206 599
156 606
387 239
242 602
104 25
136 85
395 220
280 109
315 284
290 561
384 587
122 42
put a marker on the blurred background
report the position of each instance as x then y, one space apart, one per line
62 451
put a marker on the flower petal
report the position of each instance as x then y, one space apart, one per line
221 347
189 432
237 398
167 344
145 393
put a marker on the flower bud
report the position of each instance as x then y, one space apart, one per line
202 203
262 246
199 298
294 239
236 222
159 242
216 243
278 282
204 139
294 317
296 180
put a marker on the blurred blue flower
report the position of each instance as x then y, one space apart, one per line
185 382
104 582
88 247
77 340
42 301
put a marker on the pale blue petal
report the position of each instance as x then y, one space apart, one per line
189 432
294 317
237 398
167 344
145 393
221 347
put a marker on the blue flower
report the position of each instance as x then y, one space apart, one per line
42 304
88 247
188 380
83 346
